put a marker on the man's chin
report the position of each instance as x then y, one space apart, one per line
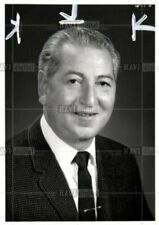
86 134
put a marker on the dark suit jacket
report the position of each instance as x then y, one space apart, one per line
36 189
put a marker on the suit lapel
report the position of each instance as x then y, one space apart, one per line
52 181
55 187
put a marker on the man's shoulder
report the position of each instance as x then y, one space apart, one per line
23 136
110 143
116 152
20 139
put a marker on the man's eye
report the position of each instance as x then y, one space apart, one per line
104 84
73 81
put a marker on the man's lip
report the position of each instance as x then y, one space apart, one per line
88 114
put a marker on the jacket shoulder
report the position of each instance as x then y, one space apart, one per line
118 153
112 144
23 137
20 139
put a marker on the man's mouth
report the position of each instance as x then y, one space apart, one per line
85 114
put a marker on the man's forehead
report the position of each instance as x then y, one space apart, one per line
75 60
72 48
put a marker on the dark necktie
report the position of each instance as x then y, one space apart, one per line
86 205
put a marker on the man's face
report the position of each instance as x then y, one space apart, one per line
80 95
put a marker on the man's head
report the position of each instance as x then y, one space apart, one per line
77 82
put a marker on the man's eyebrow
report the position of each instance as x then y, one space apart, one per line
105 76
82 75
74 72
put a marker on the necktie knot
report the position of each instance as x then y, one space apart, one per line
81 159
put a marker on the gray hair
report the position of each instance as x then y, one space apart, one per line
49 59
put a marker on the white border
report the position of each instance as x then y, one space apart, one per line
85 2
2 114
2 95
157 112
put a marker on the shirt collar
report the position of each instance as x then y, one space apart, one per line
64 153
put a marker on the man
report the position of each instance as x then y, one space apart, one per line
59 168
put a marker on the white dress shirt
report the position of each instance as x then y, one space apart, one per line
64 154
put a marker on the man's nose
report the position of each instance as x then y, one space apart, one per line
88 95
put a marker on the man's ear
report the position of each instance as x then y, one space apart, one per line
42 99
42 86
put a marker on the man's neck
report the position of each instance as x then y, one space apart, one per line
81 145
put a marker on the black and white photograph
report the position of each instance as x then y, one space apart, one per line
79 112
